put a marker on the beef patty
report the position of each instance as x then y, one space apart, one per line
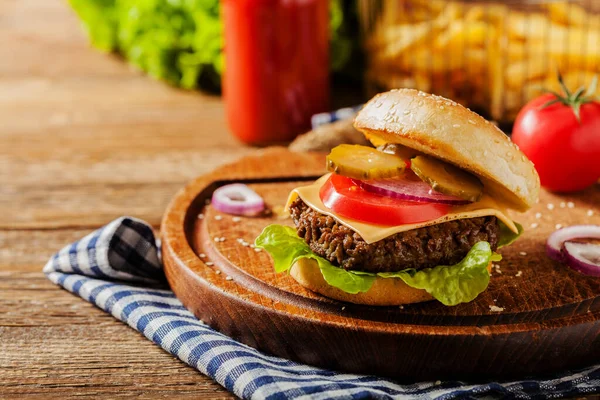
443 244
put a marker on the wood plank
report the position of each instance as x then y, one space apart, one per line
54 344
85 138
83 205
28 251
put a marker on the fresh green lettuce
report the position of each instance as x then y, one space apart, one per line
453 284
286 248
181 41
450 284
506 235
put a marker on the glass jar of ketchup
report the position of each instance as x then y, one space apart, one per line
276 67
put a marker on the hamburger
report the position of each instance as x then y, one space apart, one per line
417 217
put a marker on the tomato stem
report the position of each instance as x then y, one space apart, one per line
574 100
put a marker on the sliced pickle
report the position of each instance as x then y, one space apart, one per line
396 149
362 162
446 178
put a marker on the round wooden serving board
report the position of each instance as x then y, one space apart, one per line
536 316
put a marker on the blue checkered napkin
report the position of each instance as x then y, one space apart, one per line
337 115
118 269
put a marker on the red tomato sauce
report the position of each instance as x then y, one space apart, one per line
276 67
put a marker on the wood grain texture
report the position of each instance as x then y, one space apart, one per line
84 138
549 316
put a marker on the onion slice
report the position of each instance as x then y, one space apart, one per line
405 188
237 199
582 257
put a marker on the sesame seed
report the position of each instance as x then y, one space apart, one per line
218 217
456 125
210 263
252 245
202 255
519 274
218 272
202 322
257 249
223 238
563 204
590 213
245 244
538 215
236 219
402 307
534 225
437 383
571 204
550 206
228 278
471 122
343 308
441 107
240 240
523 253
217 239
558 226
406 112
496 309
200 216
487 122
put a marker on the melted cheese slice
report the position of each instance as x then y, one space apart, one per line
373 233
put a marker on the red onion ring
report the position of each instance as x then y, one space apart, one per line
404 188
237 199
582 257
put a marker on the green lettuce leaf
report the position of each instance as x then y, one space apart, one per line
349 282
286 248
450 285
506 235
181 41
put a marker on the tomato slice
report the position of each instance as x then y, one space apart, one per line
345 197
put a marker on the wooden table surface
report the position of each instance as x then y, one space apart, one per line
83 140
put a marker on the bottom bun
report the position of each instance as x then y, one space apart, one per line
384 292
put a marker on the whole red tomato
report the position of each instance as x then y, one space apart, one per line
565 150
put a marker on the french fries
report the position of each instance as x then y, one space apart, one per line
488 56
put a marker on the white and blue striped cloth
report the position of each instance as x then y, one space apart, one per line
118 269
329 117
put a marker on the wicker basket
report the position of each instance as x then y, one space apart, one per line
491 56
